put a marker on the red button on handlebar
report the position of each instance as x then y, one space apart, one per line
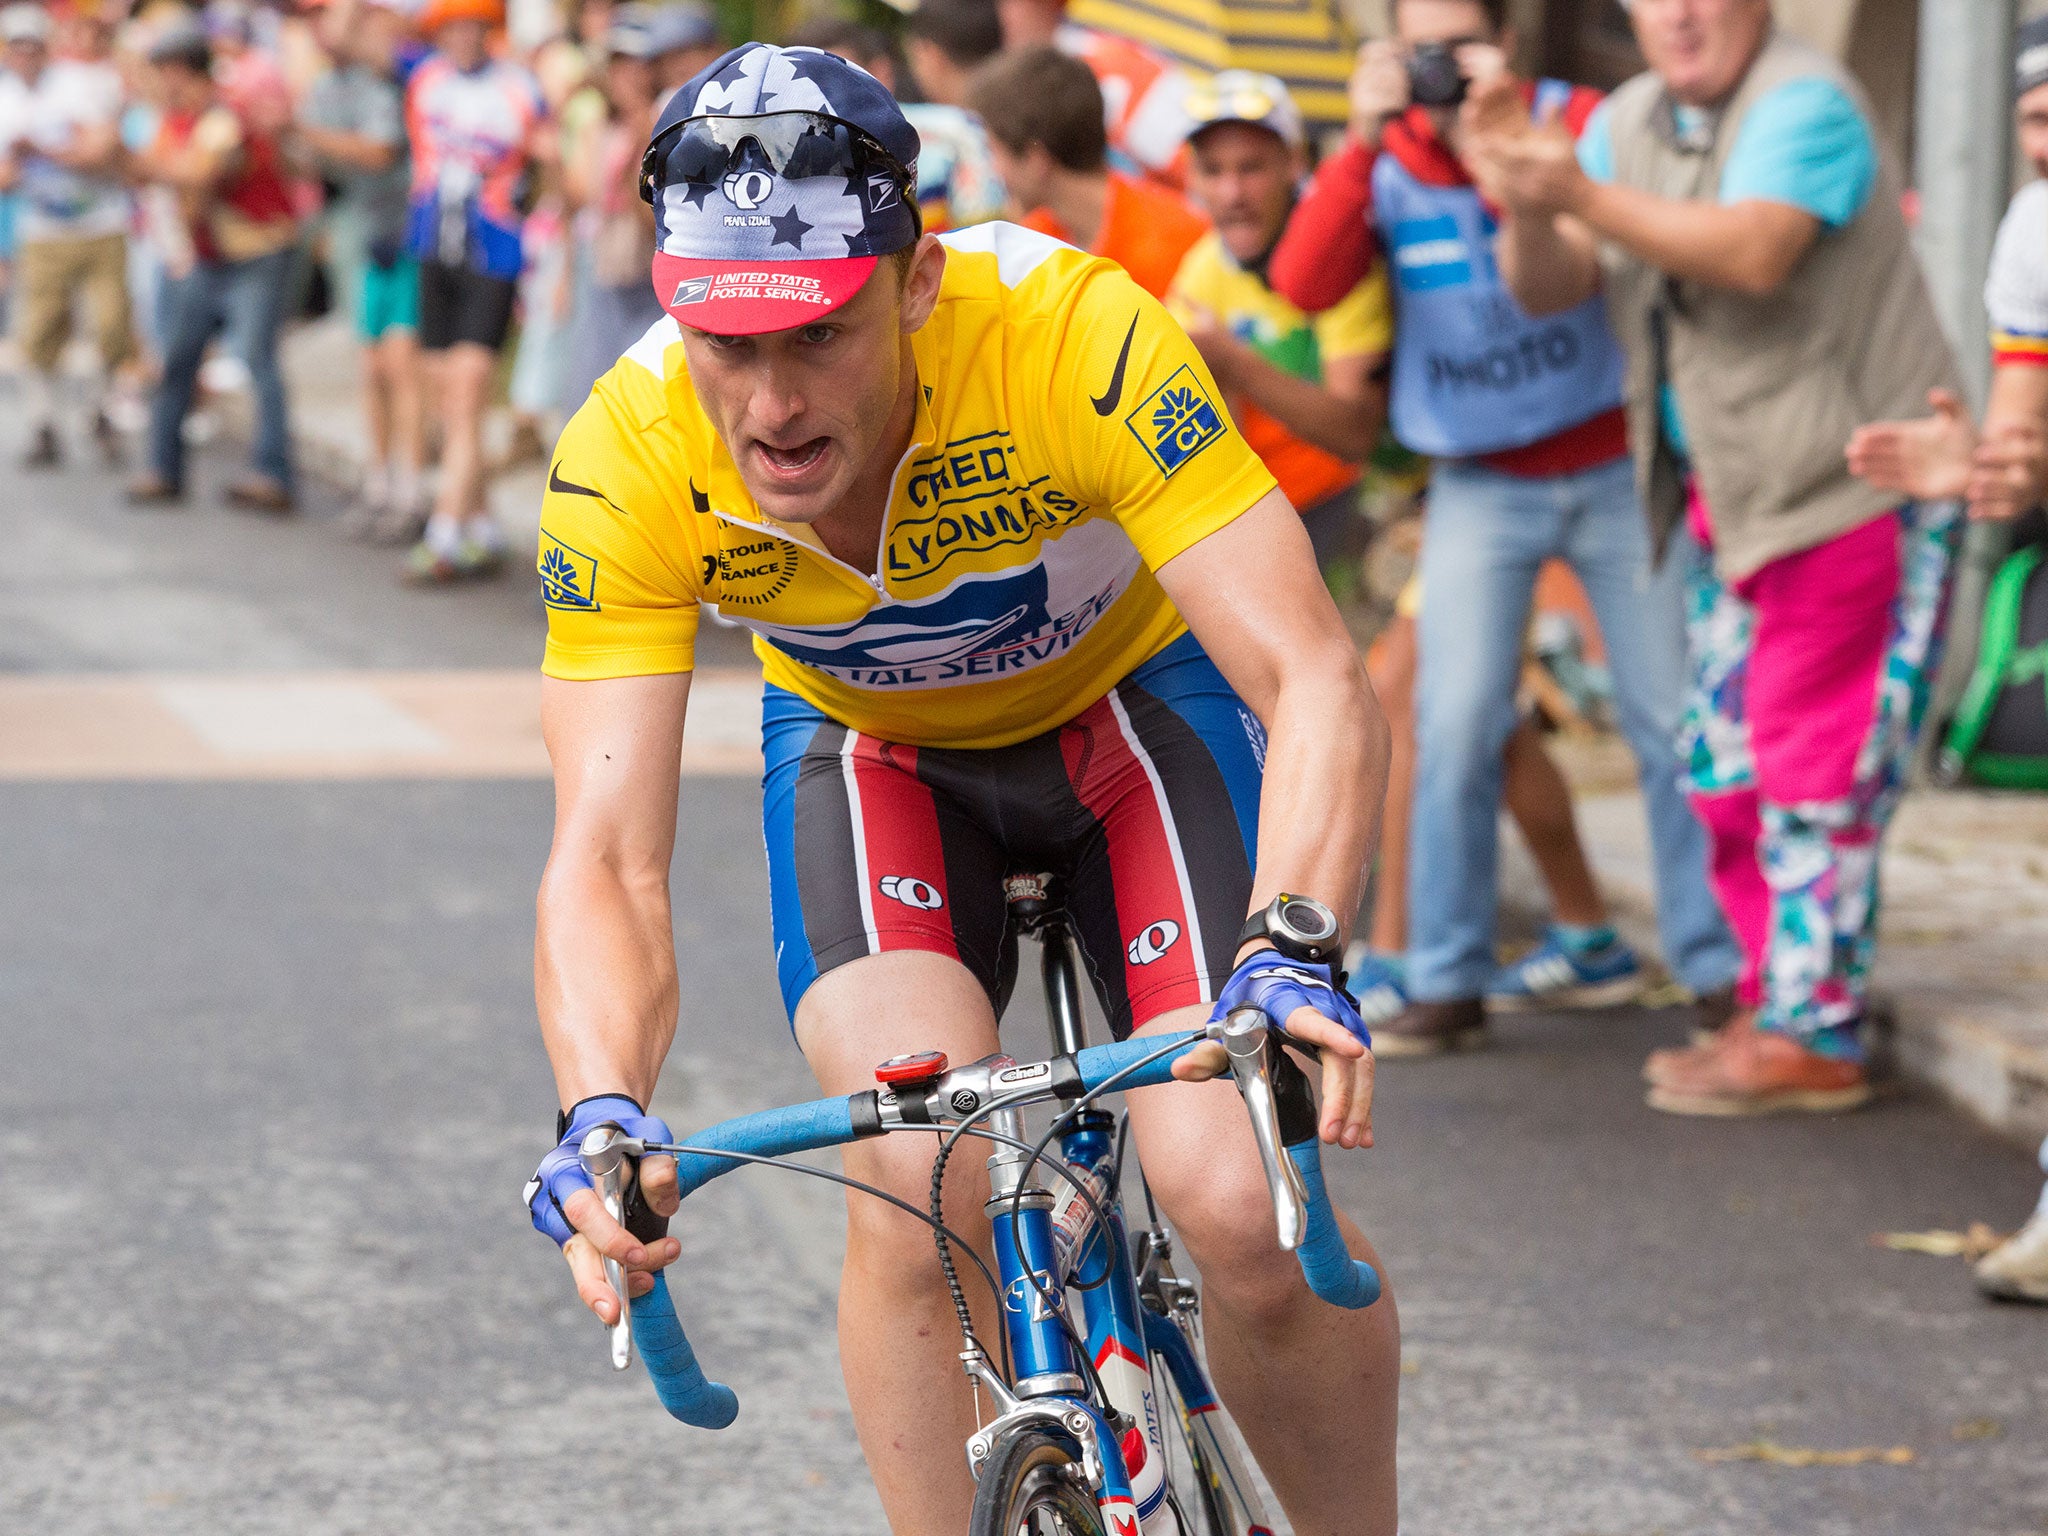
918 1067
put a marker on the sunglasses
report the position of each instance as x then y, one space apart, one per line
794 145
1243 105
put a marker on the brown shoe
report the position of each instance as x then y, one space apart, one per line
152 490
1683 1059
259 493
1755 1072
1432 1028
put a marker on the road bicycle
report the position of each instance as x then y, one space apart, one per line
1105 1421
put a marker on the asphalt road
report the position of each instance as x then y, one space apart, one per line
270 1083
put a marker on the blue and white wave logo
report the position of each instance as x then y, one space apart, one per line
973 615
983 626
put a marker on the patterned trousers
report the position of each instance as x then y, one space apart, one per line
1810 680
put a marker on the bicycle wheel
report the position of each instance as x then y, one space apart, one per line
1031 1486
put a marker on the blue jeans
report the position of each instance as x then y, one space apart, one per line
1487 535
247 299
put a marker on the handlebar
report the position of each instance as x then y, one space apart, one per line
1295 1179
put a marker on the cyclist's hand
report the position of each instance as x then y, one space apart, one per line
565 1206
1314 1013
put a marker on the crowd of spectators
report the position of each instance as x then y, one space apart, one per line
1634 337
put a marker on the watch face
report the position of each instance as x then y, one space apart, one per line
1308 921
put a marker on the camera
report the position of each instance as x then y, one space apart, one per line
1434 79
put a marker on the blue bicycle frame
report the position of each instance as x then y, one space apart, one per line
1040 1252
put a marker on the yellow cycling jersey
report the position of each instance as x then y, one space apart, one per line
1069 441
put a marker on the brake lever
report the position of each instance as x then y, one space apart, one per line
1245 1035
605 1152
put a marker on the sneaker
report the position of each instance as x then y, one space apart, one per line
2017 1269
427 566
43 449
1378 983
1554 975
1432 1029
1751 1071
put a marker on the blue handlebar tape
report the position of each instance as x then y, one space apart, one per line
1326 1263
771 1133
678 1379
1099 1063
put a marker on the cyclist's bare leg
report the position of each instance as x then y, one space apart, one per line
899 1339
1313 1388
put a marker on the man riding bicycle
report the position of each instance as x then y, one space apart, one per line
1010 571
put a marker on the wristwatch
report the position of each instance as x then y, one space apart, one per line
1299 927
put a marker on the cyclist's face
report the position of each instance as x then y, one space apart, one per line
2032 111
1244 176
805 412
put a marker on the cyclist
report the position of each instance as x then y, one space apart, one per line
980 505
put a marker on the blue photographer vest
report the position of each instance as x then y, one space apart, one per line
1473 374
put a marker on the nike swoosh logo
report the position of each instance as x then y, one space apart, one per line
1105 402
571 488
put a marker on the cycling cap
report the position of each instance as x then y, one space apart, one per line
1246 96
2030 61
778 177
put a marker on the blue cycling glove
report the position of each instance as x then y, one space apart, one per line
1276 985
561 1173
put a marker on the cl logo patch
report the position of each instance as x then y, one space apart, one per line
881 192
1153 942
912 892
691 290
747 189
1176 421
568 577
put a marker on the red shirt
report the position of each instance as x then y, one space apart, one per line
257 191
1329 246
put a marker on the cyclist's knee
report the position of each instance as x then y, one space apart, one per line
901 1165
1223 1217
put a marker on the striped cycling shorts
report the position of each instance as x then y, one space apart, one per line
1145 806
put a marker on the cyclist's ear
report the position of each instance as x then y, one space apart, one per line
921 277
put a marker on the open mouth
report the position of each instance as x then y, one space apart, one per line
792 463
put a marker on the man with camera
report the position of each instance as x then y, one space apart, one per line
1524 419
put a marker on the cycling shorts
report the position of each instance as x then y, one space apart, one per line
1145 807
458 304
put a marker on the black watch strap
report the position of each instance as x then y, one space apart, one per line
564 1116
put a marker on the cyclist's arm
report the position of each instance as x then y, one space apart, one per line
604 960
1251 593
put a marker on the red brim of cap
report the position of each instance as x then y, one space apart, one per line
748 298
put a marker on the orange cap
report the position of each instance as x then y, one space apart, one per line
436 14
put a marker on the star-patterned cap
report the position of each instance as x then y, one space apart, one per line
778 177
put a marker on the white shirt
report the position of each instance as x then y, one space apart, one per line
56 202
2016 290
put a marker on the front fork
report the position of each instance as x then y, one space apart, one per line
1049 1384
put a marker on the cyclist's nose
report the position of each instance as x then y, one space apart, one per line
777 401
